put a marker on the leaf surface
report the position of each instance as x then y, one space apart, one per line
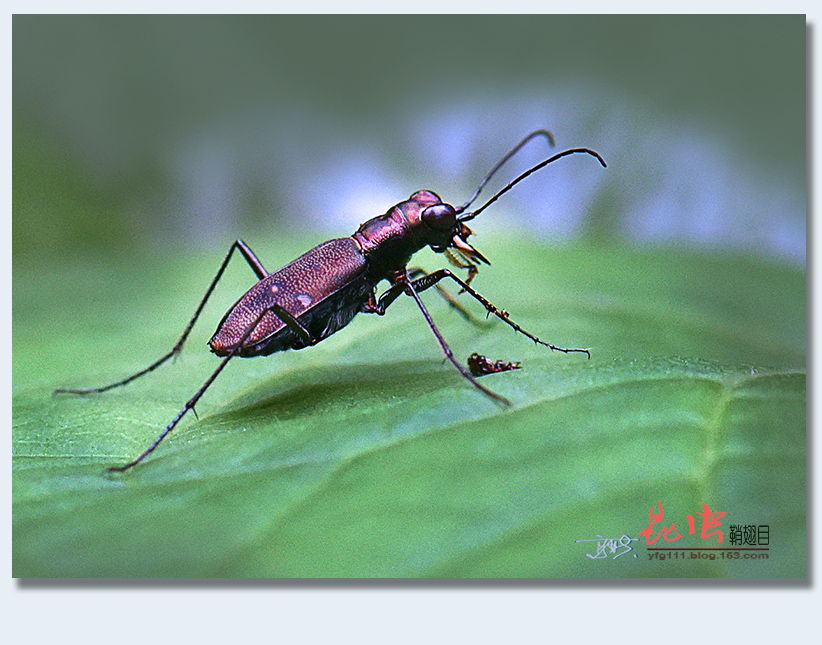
368 456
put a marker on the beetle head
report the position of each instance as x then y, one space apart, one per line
449 235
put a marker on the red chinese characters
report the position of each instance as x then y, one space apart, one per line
710 520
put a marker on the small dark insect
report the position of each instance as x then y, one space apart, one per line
479 365
321 291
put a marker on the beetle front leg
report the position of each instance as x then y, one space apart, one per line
452 301
374 306
433 278
256 266
378 307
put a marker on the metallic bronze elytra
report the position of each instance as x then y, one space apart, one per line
321 291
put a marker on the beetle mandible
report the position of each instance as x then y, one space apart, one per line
321 291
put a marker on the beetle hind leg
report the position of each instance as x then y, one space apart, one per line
256 266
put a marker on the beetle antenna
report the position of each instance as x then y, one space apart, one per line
501 162
541 164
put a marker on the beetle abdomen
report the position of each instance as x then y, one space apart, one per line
300 287
329 316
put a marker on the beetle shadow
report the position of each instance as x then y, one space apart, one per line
310 390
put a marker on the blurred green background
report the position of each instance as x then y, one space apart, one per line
142 130
143 146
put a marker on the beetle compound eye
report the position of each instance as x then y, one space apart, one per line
441 217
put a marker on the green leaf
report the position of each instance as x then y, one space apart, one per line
369 456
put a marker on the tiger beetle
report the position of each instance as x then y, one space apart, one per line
321 291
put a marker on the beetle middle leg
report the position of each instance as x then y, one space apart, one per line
278 311
412 287
407 285
256 266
